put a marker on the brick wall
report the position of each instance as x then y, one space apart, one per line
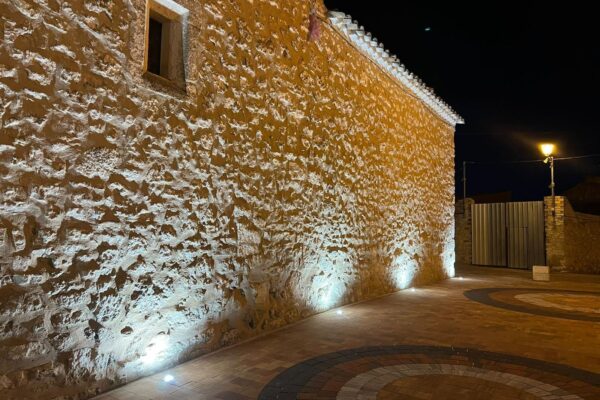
142 225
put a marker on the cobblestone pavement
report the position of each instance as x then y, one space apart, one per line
490 334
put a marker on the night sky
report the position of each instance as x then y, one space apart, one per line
517 74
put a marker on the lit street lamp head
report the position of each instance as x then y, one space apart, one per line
547 149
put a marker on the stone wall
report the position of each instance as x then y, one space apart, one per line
464 235
571 238
142 225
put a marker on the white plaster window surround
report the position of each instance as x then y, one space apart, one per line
166 37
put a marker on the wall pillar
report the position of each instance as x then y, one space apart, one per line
554 219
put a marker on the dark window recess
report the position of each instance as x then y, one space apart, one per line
154 46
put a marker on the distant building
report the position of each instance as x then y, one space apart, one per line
585 196
499 197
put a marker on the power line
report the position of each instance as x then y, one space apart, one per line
505 162
576 157
533 161
465 163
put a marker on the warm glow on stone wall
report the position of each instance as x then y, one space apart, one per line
141 225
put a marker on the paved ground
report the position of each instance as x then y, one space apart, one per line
485 336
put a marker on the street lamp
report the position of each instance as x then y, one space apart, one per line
548 151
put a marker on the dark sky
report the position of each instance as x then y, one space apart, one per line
518 74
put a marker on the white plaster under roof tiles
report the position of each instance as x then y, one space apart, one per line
389 62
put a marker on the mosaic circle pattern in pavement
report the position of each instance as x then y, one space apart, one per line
430 372
575 305
566 302
450 387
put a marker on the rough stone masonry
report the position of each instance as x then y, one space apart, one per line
142 224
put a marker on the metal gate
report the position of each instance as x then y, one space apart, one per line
508 234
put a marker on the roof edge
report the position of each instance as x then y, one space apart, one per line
391 64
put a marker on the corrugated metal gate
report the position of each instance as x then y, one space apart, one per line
509 234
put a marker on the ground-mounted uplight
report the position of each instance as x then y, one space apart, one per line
168 378
412 289
339 312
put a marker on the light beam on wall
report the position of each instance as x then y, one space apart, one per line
327 274
332 293
404 266
448 251
156 350
403 276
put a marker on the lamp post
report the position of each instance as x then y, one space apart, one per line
464 180
548 151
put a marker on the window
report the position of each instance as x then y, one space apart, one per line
154 45
164 60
